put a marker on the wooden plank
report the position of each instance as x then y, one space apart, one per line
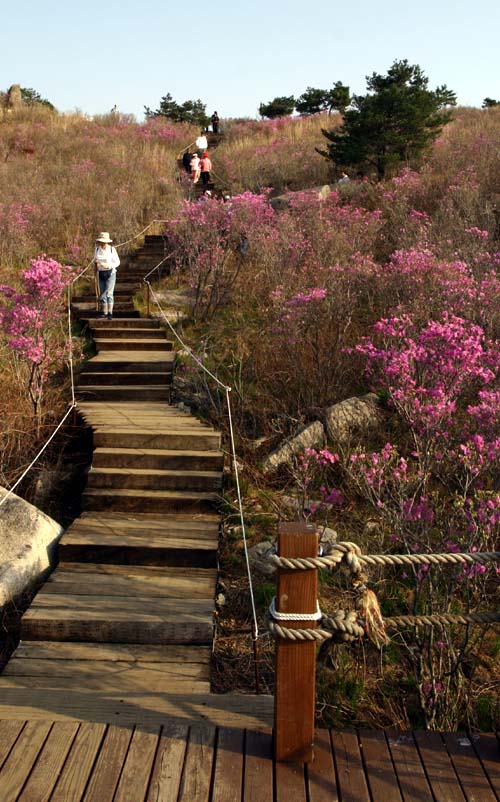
50 763
438 767
129 652
382 780
105 776
136 772
9 733
107 676
232 710
296 661
258 780
76 772
408 765
168 764
195 782
488 750
468 767
290 782
351 777
320 774
19 764
173 583
228 775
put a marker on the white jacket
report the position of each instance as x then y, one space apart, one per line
106 258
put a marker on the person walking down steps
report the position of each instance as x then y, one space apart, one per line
106 260
202 143
206 169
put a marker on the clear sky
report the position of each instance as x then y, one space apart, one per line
92 55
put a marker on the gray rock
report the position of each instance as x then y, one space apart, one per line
351 418
258 557
310 436
327 538
28 540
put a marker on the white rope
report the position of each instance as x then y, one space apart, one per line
273 612
121 244
4 499
233 448
240 505
186 347
168 256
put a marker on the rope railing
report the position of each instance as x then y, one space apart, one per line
366 619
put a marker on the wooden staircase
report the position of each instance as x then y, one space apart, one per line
124 625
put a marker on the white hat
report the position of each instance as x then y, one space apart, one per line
103 237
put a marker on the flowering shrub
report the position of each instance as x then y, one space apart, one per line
32 321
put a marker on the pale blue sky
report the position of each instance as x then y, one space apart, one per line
91 55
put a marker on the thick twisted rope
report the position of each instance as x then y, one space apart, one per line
351 555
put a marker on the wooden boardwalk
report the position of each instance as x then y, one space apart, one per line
122 630
42 761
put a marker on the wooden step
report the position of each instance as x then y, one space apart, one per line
115 362
151 500
144 708
114 332
132 580
159 392
157 458
191 439
124 322
142 344
118 619
120 668
120 538
154 479
127 378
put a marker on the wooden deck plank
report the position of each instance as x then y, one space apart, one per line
228 775
258 780
134 780
168 764
107 770
351 777
50 763
468 768
438 767
321 780
19 764
382 780
196 777
77 769
408 765
9 733
129 652
488 749
290 782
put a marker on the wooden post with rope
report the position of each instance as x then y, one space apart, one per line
294 698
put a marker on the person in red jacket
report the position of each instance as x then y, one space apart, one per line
206 169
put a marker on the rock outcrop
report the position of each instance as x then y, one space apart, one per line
310 436
352 418
28 540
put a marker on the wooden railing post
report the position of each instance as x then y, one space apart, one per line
294 698
148 299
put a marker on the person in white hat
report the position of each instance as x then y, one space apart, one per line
106 260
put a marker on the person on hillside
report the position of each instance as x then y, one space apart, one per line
194 166
106 260
344 179
186 161
215 122
206 169
202 143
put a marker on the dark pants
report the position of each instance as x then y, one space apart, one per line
205 178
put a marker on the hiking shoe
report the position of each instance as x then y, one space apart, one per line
109 316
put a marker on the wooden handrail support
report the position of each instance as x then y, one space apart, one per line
294 698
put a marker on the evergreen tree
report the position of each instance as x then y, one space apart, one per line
488 103
279 107
312 101
191 111
338 98
395 122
